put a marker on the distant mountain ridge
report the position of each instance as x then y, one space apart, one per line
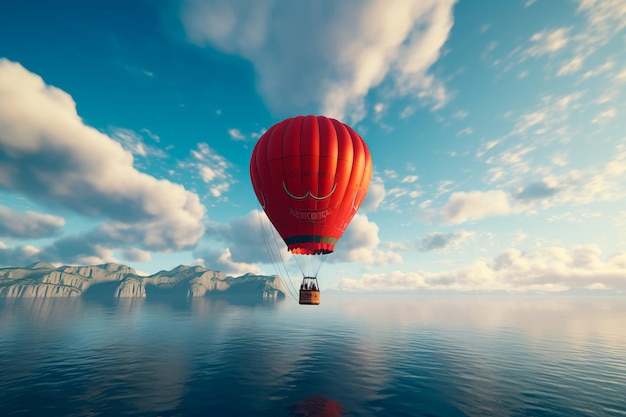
45 280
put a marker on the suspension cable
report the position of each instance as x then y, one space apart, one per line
274 254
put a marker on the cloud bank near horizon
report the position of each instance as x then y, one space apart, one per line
545 270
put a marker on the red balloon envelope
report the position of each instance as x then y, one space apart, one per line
310 174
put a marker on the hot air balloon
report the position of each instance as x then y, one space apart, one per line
310 174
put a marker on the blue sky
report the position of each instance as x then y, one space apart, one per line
497 130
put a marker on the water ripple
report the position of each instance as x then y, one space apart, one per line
222 359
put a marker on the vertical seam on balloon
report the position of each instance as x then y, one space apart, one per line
282 147
355 207
341 215
255 167
267 155
322 225
296 230
331 128
361 143
300 165
367 173
319 148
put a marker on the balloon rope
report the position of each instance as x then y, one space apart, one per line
275 254
282 260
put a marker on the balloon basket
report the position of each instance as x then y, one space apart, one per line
309 297
309 291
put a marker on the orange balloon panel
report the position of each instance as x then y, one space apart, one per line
310 174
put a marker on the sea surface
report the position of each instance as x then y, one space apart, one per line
382 355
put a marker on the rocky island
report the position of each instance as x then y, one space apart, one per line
114 280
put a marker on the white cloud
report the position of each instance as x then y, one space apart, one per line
136 255
602 21
461 114
538 190
604 116
213 169
600 183
439 242
559 160
425 204
443 187
391 174
246 239
548 42
572 66
332 63
528 120
360 243
235 134
223 261
465 131
375 195
399 197
394 281
409 179
475 205
594 184
49 154
602 69
28 224
606 17
534 131
151 135
546 270
93 247
485 147
130 141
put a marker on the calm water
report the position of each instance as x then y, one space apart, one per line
367 356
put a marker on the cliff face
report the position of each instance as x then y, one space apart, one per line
45 280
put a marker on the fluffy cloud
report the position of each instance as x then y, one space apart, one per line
28 224
602 21
235 134
605 18
136 255
91 247
246 239
437 241
475 205
537 190
213 169
360 243
334 52
22 255
545 270
84 248
223 261
548 42
134 142
575 186
48 153
400 196
79 249
375 195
